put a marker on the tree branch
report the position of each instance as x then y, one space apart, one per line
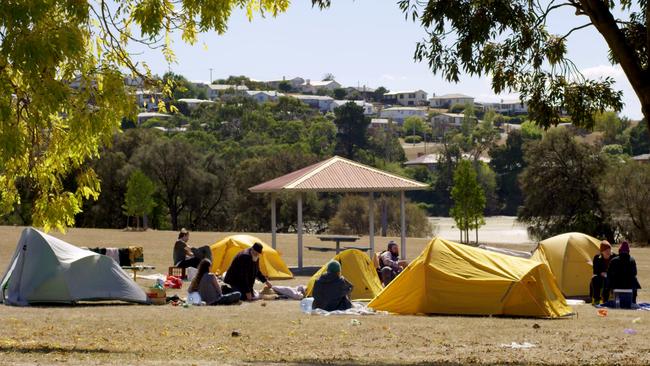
575 29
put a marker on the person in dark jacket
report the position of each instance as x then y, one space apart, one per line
599 287
622 271
183 255
243 271
332 291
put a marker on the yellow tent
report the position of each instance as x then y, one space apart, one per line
570 258
271 263
357 268
450 278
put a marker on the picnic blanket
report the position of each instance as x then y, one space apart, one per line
612 305
358 308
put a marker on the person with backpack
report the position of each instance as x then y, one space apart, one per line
389 263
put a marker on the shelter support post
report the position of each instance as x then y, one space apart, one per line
402 212
299 230
273 221
371 222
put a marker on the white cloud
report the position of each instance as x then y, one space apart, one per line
602 71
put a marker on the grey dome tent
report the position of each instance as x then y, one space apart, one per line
45 269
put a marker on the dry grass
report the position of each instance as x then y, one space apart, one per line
276 332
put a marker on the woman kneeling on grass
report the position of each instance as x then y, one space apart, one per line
207 285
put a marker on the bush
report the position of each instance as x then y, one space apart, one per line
413 139
352 217
457 108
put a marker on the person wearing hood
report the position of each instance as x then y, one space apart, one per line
332 291
600 287
243 271
622 271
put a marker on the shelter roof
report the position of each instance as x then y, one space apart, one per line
338 174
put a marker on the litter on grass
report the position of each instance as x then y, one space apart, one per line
515 345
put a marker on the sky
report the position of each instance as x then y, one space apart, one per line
361 42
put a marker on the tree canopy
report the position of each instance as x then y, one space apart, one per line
62 94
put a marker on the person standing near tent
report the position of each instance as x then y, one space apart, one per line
332 291
243 271
207 285
389 263
599 288
183 255
622 271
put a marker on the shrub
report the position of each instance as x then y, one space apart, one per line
413 139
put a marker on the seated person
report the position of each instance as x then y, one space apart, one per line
207 285
599 287
389 263
243 271
622 271
183 256
332 291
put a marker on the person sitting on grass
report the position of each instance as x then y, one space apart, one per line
332 291
183 255
207 285
243 271
622 271
389 263
599 288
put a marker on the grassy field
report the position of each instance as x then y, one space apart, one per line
277 332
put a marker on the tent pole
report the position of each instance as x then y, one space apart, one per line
371 222
273 221
402 212
299 230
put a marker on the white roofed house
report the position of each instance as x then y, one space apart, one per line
379 123
217 91
448 119
315 86
263 96
322 103
148 99
447 100
406 98
295 83
144 116
193 103
399 114
368 108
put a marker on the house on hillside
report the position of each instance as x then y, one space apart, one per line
399 114
366 93
144 116
368 108
295 83
447 100
263 96
432 160
508 108
406 98
314 87
322 103
643 158
217 91
379 123
148 99
448 119
193 103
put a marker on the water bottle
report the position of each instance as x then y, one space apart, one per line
305 304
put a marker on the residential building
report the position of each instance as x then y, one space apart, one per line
368 108
217 91
447 100
643 158
406 98
448 119
399 114
366 93
314 87
379 123
144 116
193 103
322 103
510 108
296 83
148 99
263 96
432 160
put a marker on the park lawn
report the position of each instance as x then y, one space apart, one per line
277 332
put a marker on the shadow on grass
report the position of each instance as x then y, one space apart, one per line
85 304
51 349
